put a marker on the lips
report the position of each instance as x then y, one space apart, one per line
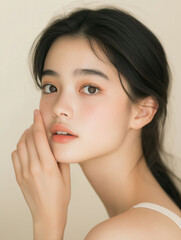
58 127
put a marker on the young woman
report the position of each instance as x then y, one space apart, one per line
104 79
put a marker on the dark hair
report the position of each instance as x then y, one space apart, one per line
138 55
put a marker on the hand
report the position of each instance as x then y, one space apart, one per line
45 183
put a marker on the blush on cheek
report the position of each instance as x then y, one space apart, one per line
93 113
43 103
44 108
97 119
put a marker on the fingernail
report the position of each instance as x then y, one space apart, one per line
36 112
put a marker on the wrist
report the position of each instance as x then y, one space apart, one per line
48 231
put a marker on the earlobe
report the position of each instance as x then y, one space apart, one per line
143 112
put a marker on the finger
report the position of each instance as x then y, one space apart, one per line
34 161
22 151
65 171
41 141
16 165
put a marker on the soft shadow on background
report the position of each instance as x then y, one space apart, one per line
20 22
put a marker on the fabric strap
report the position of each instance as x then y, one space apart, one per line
162 210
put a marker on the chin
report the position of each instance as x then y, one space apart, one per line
65 157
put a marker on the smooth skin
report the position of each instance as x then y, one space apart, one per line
45 183
108 149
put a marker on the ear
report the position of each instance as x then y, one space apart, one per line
143 112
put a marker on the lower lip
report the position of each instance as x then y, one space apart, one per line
62 138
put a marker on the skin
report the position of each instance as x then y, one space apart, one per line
108 125
43 182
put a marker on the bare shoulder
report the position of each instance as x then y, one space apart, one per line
136 224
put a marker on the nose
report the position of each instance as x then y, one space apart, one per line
63 106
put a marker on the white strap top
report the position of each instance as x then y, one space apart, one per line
174 217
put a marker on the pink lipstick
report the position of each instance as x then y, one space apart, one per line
62 134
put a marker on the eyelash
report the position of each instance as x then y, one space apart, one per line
43 87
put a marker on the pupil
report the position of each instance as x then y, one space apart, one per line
52 88
92 88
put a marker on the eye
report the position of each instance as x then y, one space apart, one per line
92 89
48 88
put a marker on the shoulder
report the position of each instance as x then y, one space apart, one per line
123 226
135 224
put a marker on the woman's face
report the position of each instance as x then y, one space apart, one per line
93 106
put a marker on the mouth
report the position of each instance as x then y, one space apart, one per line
63 138
58 129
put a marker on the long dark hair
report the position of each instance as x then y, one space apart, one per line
138 55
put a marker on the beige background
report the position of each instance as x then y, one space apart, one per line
20 22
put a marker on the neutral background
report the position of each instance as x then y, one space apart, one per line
20 23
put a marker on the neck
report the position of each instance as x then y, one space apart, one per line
121 179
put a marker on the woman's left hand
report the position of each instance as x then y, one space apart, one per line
45 183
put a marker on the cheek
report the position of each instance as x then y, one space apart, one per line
110 117
44 107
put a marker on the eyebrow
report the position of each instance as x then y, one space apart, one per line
77 72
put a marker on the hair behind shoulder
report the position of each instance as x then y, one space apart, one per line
138 55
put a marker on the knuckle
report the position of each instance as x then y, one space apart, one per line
25 132
19 179
25 176
35 171
13 154
20 145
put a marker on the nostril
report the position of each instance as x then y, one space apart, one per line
63 114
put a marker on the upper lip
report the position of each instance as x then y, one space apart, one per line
58 127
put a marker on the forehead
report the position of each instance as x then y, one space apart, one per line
77 49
